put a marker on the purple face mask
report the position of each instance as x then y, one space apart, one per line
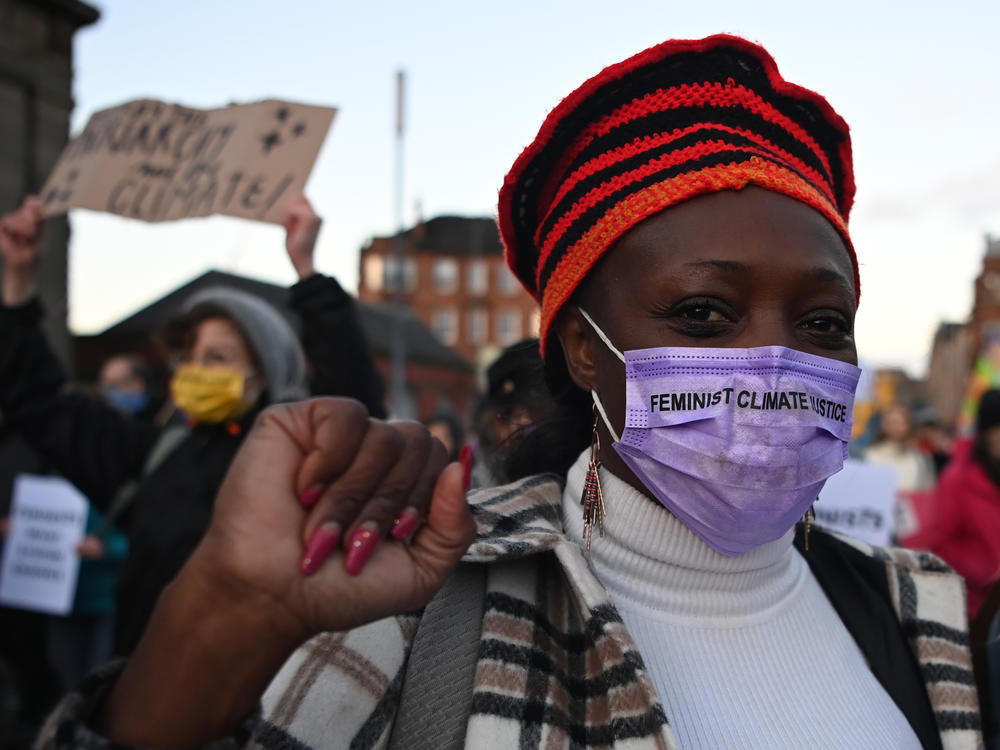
736 443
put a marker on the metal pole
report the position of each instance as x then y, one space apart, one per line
400 406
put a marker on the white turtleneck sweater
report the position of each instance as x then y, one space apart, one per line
744 651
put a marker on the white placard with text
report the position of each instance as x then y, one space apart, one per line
48 516
859 501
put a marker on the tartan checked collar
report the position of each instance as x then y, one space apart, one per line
517 520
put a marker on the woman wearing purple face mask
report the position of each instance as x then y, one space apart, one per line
682 220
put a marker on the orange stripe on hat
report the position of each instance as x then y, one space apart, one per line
581 257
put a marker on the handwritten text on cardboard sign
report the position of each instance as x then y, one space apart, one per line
158 162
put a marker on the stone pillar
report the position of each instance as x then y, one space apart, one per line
36 98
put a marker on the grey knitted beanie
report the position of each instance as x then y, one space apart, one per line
272 341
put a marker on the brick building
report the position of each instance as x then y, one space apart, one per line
985 320
455 281
958 346
948 370
36 99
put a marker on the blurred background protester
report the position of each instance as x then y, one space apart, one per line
446 426
960 518
932 438
895 447
29 686
126 384
235 355
517 399
82 640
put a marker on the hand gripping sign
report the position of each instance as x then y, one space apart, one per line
155 161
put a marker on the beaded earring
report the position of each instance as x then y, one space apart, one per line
593 498
808 519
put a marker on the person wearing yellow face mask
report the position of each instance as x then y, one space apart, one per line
235 355
210 395
233 348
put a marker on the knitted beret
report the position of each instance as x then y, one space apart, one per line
682 119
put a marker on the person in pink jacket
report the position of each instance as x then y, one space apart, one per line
960 518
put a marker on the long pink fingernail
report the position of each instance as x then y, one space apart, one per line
360 548
309 496
322 542
405 523
466 458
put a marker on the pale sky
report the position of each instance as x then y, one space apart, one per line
918 82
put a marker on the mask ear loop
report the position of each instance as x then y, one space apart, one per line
604 415
604 337
593 393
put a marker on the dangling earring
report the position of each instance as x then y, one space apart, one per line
593 497
808 519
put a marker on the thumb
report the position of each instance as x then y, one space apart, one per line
450 528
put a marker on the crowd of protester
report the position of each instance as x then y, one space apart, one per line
149 464
949 487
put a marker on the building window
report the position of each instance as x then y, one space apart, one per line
477 326
444 324
507 283
445 276
508 327
374 272
392 274
478 277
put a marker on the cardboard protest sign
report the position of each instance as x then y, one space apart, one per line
155 161
859 501
39 569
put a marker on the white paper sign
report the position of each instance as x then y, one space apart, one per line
48 516
859 501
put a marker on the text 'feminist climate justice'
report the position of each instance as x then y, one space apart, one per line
754 400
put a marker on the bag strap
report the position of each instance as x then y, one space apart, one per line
166 442
436 697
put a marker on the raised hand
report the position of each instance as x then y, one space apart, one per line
21 250
302 226
90 548
320 478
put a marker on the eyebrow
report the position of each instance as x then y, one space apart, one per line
731 266
722 265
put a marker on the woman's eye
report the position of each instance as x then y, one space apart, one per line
702 314
700 317
831 323
700 311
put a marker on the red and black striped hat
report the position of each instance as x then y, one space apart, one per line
679 120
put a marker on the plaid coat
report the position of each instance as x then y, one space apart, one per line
556 666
